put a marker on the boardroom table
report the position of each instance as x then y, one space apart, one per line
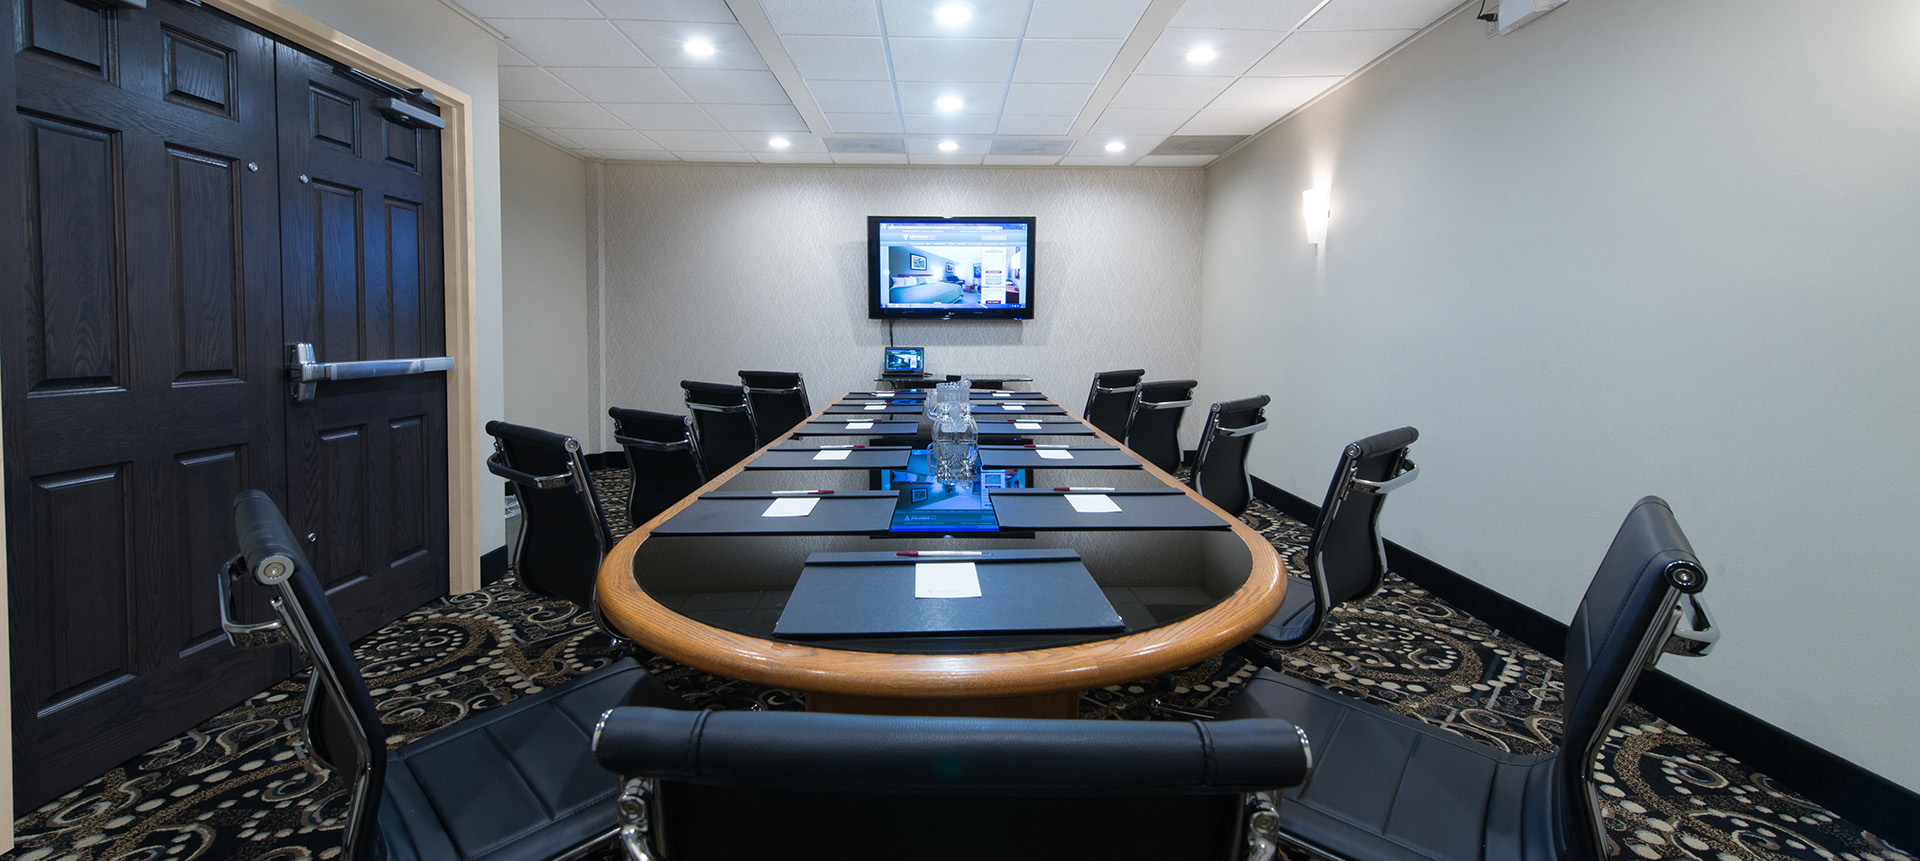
707 591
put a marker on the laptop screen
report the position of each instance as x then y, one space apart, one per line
904 360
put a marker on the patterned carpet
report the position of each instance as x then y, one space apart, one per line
235 788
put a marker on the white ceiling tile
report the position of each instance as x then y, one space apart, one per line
1174 160
1036 125
509 57
853 97
1023 159
667 10
931 146
570 42
663 117
864 123
697 141
972 60
730 86
794 157
1055 99
917 98
947 124
1279 95
1096 145
1085 19
566 115
1065 61
1169 92
757 118
944 158
1238 51
1378 14
523 9
869 158
1137 121
1328 52
609 138
621 85
665 42
1243 14
712 157
534 84
637 155
1218 122
1103 161
839 58
824 17
796 142
991 18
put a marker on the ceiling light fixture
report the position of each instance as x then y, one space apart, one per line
699 47
1202 54
948 146
953 14
1116 146
779 143
949 104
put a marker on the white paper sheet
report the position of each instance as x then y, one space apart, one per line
1092 503
1013 407
791 506
1003 394
859 425
945 580
875 406
1054 454
1027 425
834 454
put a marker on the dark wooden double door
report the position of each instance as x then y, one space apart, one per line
193 197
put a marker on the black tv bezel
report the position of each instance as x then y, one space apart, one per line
878 311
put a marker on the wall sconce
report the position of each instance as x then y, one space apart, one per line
1314 204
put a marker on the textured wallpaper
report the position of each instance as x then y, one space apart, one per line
696 272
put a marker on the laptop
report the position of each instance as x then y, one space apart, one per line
904 362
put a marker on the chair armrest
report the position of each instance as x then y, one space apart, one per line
543 482
1249 430
1382 488
1693 634
1162 405
651 445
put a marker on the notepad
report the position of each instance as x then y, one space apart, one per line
836 454
945 580
1091 503
1056 454
1026 425
795 507
859 425
1013 407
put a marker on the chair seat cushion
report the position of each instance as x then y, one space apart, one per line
1295 616
1385 786
516 782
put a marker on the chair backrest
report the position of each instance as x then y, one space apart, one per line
342 725
663 457
875 786
1220 464
1642 601
722 422
1110 400
564 533
779 400
1153 425
1346 558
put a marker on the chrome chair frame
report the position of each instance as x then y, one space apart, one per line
579 478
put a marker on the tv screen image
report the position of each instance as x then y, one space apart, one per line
939 267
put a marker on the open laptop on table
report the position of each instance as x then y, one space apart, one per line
904 362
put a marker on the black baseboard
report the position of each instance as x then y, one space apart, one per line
1887 809
493 565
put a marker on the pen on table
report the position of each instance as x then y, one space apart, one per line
800 492
937 553
1049 446
1080 489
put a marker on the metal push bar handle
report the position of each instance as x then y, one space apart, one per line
304 372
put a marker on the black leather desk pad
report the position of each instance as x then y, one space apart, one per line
885 408
1027 408
921 395
1056 427
844 595
1151 508
737 512
801 457
1084 457
838 427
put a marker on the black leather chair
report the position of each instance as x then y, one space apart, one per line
563 529
740 784
1110 401
515 782
664 459
1220 465
722 422
1387 786
1153 425
779 400
1346 560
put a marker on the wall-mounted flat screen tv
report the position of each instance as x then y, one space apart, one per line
958 267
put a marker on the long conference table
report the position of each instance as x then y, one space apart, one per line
824 603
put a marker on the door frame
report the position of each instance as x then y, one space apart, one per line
463 382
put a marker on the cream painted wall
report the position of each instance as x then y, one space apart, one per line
438 41
703 271
544 297
1636 247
